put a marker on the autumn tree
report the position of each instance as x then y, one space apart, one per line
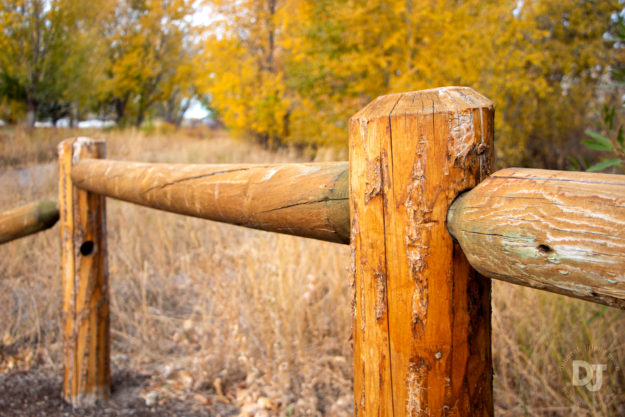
539 60
180 86
572 58
343 54
42 52
245 67
150 57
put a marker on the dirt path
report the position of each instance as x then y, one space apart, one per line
35 393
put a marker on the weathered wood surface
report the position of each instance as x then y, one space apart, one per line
555 230
421 314
308 200
86 356
28 219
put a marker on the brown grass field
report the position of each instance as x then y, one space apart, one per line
220 316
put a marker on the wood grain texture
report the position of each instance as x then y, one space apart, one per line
421 327
28 219
86 356
309 200
559 231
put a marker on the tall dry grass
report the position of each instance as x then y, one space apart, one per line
259 319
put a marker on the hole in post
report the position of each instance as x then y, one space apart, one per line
86 248
544 249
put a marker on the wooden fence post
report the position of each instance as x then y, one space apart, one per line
86 356
421 332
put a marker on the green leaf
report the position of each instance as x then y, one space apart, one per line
574 164
618 75
600 142
597 146
620 138
608 115
597 314
606 163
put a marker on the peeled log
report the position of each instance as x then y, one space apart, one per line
84 272
559 231
25 220
309 200
421 314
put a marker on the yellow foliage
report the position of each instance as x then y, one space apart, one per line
151 56
295 70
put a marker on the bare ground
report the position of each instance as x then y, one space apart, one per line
38 393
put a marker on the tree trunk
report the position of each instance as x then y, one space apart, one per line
140 118
183 109
120 109
271 35
170 109
31 113
141 110
73 116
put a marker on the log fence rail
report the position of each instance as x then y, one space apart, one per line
27 220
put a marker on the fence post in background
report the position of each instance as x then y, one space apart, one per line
422 331
86 356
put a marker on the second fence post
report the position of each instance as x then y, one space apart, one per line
422 331
86 356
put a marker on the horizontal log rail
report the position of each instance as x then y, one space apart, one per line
28 219
559 231
309 200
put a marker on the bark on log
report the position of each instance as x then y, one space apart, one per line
421 314
309 200
86 354
26 220
559 231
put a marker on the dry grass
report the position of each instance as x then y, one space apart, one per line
260 319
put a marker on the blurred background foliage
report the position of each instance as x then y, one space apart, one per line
294 71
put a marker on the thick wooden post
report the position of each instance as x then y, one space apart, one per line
422 332
85 281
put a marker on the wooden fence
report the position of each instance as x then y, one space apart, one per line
26 220
427 223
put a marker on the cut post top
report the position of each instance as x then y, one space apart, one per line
437 100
